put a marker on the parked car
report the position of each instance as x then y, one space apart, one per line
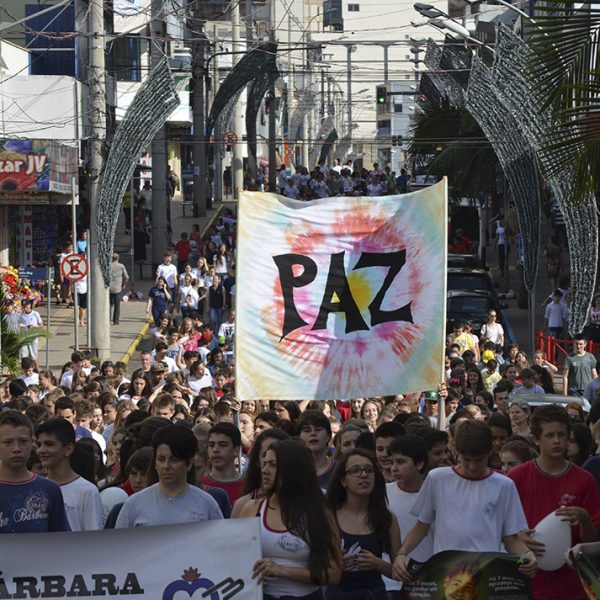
464 260
467 278
535 400
473 306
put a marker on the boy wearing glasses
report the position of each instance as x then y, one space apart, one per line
471 488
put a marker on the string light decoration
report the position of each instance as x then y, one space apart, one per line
153 103
504 131
305 103
256 92
344 147
523 95
260 59
325 131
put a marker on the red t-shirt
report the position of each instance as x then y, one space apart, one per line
542 494
183 249
232 488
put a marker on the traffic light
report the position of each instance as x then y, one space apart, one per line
381 95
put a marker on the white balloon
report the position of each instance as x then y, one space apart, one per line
555 534
111 496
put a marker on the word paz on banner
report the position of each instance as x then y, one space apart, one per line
338 295
57 586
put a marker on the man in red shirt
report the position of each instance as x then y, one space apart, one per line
183 251
552 483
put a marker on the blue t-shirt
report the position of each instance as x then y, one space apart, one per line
159 298
32 506
221 498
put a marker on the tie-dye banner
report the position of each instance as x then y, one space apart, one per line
340 297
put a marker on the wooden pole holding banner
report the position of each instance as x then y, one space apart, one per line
441 412
49 278
441 401
74 230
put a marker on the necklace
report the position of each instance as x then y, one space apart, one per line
172 498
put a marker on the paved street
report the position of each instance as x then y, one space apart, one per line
126 336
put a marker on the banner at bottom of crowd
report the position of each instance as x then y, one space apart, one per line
454 574
340 297
588 575
211 559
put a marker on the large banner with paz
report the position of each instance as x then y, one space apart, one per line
340 297
210 559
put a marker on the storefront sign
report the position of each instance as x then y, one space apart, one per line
36 166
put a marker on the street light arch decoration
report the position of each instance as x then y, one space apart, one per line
156 99
524 95
259 60
256 92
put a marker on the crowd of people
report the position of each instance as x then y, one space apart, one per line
331 180
348 491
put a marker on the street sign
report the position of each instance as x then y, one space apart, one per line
74 267
230 138
290 151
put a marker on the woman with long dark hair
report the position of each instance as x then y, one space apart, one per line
253 485
300 542
358 498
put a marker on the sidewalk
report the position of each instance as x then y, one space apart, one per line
133 326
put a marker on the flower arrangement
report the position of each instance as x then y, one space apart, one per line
17 289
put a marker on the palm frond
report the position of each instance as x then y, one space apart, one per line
448 141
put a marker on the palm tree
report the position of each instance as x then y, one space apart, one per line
448 140
566 42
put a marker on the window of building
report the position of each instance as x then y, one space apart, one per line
50 55
126 58
353 7
397 108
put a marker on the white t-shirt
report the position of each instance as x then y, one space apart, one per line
205 381
493 332
168 361
33 379
470 515
401 503
153 507
82 505
81 286
501 235
186 291
169 272
67 377
291 191
30 319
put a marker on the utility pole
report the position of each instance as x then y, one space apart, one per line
97 126
159 154
349 49
272 123
198 116
237 163
217 159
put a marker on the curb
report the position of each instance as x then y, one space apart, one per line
134 345
144 330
